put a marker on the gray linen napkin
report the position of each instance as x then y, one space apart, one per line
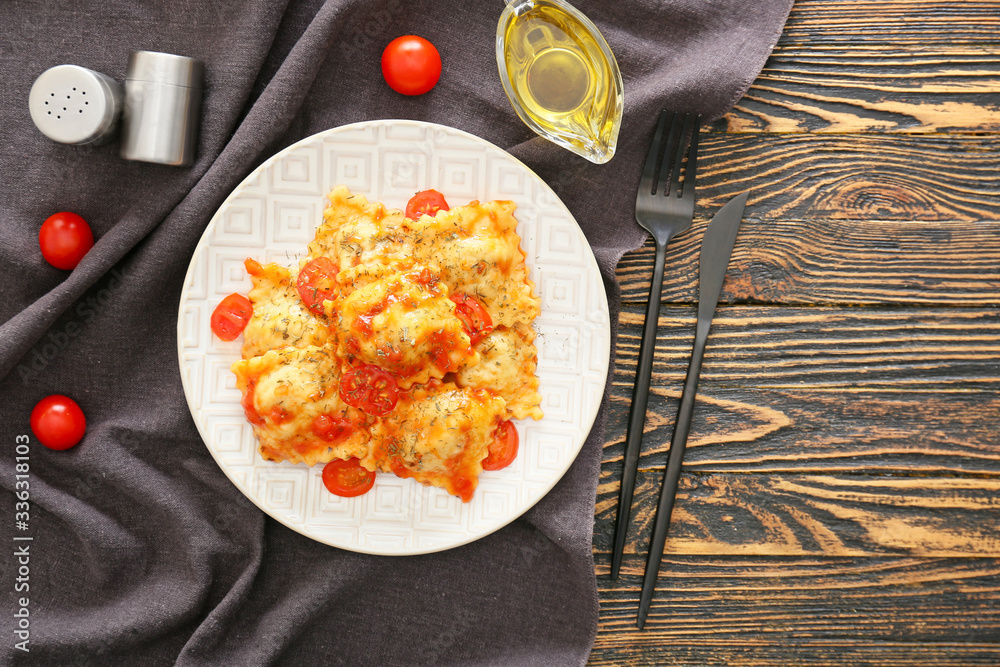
142 552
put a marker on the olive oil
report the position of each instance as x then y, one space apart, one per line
560 76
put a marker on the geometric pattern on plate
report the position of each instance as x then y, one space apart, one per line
272 216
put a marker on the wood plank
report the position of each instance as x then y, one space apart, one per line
798 515
782 651
853 219
839 497
838 348
868 88
806 611
896 22
852 177
817 431
834 262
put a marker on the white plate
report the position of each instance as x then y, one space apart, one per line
272 216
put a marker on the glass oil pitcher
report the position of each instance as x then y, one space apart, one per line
560 76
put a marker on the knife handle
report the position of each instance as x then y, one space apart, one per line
672 474
637 413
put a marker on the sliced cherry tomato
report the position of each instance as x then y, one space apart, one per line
475 320
503 449
369 388
331 429
64 239
317 283
426 202
411 65
347 479
58 422
230 317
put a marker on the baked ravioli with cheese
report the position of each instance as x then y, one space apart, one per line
401 343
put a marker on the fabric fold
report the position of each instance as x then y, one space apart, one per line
142 551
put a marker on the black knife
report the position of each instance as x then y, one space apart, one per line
716 249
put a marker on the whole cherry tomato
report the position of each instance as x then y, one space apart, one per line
411 65
503 449
347 479
475 320
370 389
64 239
230 317
317 283
58 422
427 202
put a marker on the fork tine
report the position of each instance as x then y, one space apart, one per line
692 167
649 176
673 154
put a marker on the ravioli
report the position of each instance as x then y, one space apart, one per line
434 315
507 362
279 318
291 399
404 323
439 435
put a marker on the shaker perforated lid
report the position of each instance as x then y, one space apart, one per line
74 105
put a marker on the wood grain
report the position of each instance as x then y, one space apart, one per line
894 22
842 479
871 88
796 430
840 348
834 262
806 611
834 219
819 515
871 178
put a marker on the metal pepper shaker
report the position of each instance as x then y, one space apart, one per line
162 108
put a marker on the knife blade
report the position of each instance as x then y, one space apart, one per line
716 249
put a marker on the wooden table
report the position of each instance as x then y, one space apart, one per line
840 502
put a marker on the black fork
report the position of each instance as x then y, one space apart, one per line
664 207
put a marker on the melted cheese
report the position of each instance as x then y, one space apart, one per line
479 253
404 323
438 434
392 308
279 318
354 231
507 366
284 392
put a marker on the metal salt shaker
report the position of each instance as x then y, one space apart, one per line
162 108
75 105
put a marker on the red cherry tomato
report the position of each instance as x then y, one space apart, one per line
411 65
64 239
427 202
317 283
230 317
475 320
369 388
58 422
331 429
347 478
503 449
